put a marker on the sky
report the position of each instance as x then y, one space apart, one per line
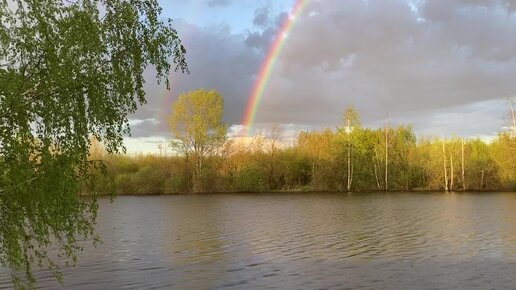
445 66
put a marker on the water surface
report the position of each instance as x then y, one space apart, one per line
299 241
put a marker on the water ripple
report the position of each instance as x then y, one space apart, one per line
304 241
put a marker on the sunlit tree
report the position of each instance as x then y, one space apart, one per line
351 122
196 123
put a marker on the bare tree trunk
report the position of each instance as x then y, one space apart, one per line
451 172
200 165
513 117
445 170
482 180
313 173
349 166
187 175
386 156
463 175
376 176
197 173
376 171
351 179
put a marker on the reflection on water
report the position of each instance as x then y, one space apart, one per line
308 241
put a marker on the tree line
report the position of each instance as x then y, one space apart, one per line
348 158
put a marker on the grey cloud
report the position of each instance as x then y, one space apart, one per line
147 127
384 57
475 26
263 39
261 17
479 119
260 40
217 60
444 66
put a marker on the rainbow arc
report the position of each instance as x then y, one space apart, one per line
268 64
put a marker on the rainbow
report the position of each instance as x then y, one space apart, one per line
267 65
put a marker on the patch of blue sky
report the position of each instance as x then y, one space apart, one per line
237 15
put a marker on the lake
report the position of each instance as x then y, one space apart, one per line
299 241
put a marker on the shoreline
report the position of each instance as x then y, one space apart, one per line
300 192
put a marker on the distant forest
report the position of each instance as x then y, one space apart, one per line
350 158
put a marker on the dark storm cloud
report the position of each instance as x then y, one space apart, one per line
443 65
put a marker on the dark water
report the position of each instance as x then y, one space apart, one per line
300 241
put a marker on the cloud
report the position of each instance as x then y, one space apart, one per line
218 59
443 65
263 39
261 17
260 40
145 145
385 57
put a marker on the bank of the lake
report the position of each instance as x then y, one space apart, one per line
409 240
298 191
317 161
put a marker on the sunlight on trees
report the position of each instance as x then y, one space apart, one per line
351 121
196 123
317 160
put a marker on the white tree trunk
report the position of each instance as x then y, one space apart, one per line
482 180
451 172
376 176
386 157
445 170
463 173
350 165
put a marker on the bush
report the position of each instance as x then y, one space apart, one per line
250 180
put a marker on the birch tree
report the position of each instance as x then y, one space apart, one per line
196 123
445 185
463 170
386 153
69 70
351 122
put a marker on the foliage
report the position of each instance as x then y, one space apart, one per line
246 167
196 123
69 70
250 179
351 119
321 161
